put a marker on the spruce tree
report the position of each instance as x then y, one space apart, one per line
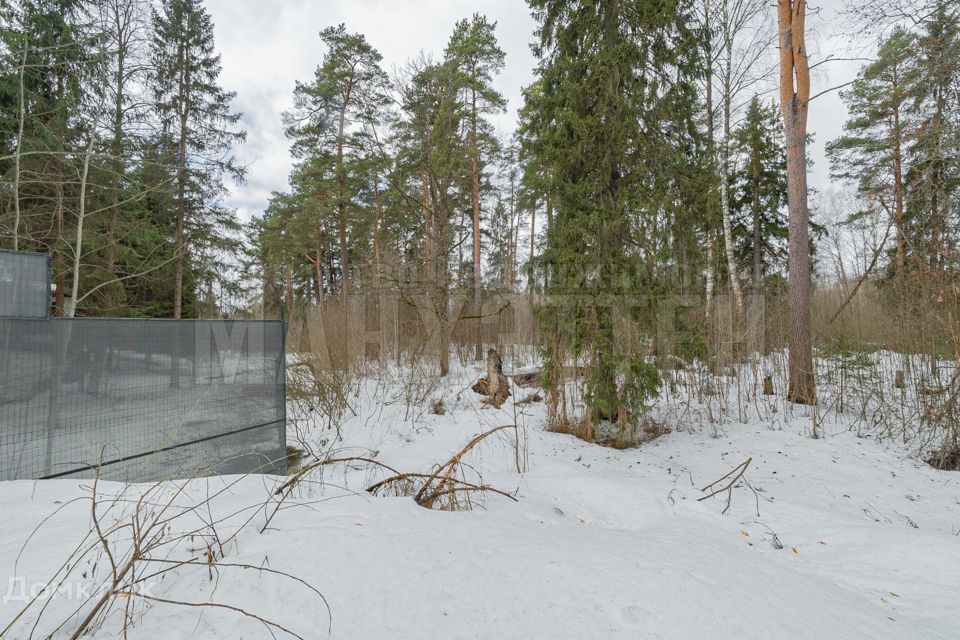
606 116
48 46
197 132
760 192
934 177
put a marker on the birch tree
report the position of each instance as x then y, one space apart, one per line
741 40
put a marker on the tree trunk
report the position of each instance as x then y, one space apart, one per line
341 202
475 170
711 147
514 237
445 327
711 282
898 185
317 261
549 218
289 288
181 185
58 266
549 206
59 182
725 169
376 233
757 253
124 27
936 180
71 309
794 68
533 236
427 222
21 117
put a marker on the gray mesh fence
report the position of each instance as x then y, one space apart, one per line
141 400
24 284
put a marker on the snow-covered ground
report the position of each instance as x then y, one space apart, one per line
854 538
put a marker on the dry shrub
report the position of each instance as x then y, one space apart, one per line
324 371
868 338
946 459
942 414
138 537
910 337
437 407
445 488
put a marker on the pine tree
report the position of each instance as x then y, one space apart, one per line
349 87
436 159
794 103
473 52
873 149
198 131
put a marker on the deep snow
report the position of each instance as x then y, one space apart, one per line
602 543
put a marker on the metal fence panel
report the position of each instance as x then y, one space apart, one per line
140 400
24 284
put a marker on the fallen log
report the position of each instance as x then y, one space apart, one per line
527 379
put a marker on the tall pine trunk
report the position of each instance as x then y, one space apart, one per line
475 170
794 102
341 201
533 236
377 222
288 288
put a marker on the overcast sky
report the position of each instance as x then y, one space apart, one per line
267 45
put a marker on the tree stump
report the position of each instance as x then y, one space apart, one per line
499 385
899 382
495 386
768 386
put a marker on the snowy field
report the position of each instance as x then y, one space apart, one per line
855 537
